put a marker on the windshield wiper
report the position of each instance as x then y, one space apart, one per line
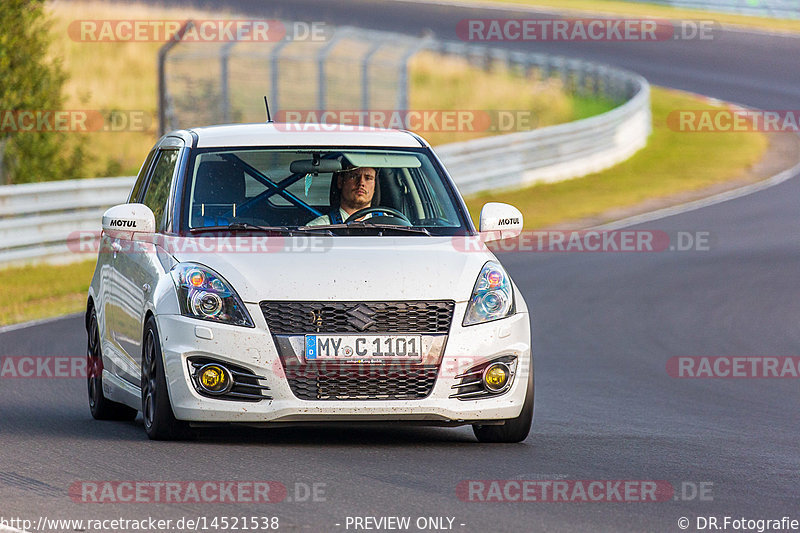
283 230
243 226
315 230
380 227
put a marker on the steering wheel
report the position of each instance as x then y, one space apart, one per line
376 209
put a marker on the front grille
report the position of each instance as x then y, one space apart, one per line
297 318
356 382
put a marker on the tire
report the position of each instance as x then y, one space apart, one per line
514 429
159 420
101 407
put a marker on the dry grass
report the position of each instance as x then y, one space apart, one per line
448 83
110 76
122 76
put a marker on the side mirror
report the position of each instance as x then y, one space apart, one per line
129 218
499 221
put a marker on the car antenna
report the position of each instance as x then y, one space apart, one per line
266 104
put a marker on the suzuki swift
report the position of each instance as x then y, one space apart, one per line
270 274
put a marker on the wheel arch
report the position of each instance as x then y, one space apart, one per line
88 314
148 314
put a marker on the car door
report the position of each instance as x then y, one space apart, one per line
137 268
110 246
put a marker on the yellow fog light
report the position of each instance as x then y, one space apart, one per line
495 377
214 379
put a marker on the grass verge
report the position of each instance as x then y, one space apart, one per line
617 7
43 291
672 162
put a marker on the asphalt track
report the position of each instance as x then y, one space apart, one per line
605 325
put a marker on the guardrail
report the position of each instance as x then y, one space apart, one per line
554 153
38 220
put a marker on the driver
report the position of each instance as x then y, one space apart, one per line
356 187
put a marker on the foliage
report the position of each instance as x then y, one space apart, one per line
32 81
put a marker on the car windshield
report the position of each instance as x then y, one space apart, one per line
320 188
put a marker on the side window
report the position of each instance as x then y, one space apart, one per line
157 194
137 187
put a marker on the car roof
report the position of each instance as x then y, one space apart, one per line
302 135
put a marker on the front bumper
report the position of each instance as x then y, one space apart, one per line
254 349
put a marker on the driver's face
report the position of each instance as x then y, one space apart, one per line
358 187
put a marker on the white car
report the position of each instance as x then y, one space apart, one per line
214 300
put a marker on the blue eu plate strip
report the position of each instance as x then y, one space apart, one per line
311 346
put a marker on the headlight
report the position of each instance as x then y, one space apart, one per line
492 297
202 293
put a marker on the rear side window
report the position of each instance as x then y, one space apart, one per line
157 194
137 187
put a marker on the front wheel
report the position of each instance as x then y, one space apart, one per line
514 429
101 407
159 420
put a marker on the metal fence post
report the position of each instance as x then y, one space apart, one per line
224 57
402 96
322 57
162 75
274 56
365 74
225 102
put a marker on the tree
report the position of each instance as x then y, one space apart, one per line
31 81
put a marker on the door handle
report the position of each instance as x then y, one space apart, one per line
117 247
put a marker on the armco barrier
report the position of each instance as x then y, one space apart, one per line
553 153
37 219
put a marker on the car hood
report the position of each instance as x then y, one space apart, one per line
346 267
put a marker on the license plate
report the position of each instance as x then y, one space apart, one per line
358 347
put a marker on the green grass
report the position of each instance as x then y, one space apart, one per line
655 11
585 107
42 291
672 162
